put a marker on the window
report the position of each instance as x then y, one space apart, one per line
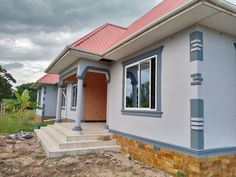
39 97
140 85
74 96
63 102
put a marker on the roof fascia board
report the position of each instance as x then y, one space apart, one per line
61 55
66 51
221 5
85 52
151 25
224 7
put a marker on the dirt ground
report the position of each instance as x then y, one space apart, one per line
26 158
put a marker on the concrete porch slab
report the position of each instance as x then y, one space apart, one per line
59 139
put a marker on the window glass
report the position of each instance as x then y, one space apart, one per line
144 84
153 83
132 86
39 97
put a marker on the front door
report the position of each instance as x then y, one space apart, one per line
95 97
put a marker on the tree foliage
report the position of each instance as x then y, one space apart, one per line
6 81
32 91
21 103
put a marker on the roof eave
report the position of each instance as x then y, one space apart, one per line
63 52
229 8
68 49
145 28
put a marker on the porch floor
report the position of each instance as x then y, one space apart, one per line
87 127
59 139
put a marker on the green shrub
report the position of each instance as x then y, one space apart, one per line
179 174
39 125
10 123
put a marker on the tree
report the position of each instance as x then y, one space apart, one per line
6 81
21 103
27 86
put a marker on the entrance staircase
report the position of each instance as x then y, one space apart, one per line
59 140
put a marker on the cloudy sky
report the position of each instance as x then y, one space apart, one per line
33 32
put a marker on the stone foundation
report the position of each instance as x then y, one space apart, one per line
172 161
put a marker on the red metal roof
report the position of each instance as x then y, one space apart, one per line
101 38
107 35
155 13
49 79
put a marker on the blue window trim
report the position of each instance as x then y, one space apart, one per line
149 113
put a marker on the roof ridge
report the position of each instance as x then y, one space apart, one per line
92 33
118 26
148 12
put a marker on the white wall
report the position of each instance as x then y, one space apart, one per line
218 89
174 126
39 111
67 112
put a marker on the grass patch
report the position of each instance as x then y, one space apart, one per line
11 123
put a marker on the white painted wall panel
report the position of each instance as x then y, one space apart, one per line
219 89
39 111
174 126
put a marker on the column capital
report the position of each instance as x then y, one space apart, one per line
60 84
79 77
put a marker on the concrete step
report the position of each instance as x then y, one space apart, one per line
75 136
63 144
86 130
55 143
49 144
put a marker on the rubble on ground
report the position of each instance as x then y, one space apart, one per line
20 158
21 135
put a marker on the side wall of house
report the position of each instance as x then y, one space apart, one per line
50 101
218 89
176 91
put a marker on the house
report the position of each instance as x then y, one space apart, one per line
165 85
46 96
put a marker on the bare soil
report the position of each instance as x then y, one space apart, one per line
26 158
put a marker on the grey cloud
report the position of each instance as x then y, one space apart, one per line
52 15
13 65
37 30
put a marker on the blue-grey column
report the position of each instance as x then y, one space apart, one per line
59 99
79 105
107 115
197 123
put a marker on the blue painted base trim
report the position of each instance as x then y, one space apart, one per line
77 128
185 150
155 114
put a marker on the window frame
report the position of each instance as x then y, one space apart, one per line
139 84
147 112
72 96
39 97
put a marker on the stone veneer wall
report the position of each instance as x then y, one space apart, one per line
172 161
